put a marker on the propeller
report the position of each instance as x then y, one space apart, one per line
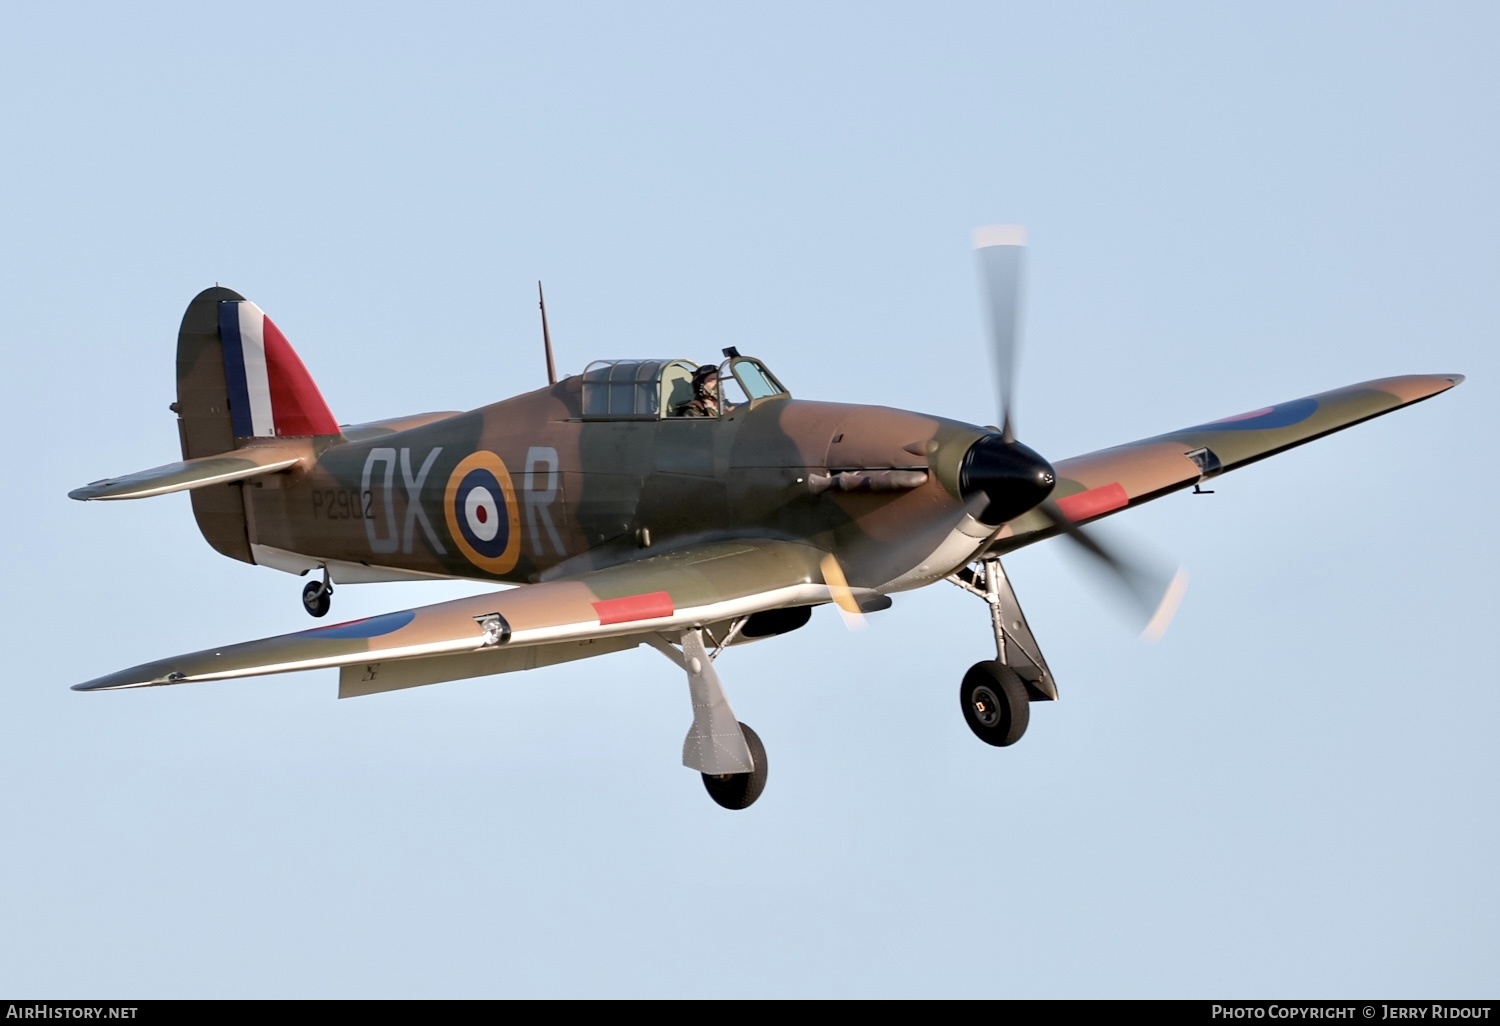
1012 478
1000 248
1154 595
843 596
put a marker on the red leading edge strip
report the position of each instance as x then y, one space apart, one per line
1094 502
636 607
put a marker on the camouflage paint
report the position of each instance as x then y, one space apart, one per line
628 527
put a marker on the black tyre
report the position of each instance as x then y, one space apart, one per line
315 599
995 704
739 790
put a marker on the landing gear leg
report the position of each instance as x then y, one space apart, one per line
727 753
996 694
318 595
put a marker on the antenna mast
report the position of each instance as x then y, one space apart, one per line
546 336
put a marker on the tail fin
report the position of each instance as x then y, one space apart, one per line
270 392
238 380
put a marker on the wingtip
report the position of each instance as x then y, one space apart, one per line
120 682
114 682
148 675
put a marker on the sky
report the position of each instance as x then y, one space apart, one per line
1229 205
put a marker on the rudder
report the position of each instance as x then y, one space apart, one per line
238 379
271 395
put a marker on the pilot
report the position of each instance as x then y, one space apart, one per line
705 400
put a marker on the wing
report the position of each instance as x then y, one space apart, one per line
603 611
1105 482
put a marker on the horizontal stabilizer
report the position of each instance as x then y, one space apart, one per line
198 473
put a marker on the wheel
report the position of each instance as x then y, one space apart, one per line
739 790
995 704
316 599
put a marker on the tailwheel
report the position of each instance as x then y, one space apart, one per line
317 597
739 790
995 704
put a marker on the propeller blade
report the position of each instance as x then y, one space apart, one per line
1014 478
1001 248
843 596
1154 595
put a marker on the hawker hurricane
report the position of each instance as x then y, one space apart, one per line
688 507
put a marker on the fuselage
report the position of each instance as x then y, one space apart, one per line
529 488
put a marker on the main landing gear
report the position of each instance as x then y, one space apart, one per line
995 703
739 790
996 694
727 753
318 596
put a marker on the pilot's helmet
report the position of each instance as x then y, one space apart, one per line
701 376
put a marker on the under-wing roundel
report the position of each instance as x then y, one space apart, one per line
621 522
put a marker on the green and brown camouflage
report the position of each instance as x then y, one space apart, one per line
1110 480
625 521
622 522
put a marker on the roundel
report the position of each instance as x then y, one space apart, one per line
483 518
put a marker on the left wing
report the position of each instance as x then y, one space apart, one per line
1110 480
588 615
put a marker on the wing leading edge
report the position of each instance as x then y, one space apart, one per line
1104 482
569 619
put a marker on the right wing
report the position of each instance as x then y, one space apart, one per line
603 611
1107 481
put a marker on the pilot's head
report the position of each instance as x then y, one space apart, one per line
706 381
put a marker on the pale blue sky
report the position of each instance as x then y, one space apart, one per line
1229 205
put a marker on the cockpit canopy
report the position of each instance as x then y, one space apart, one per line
659 389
